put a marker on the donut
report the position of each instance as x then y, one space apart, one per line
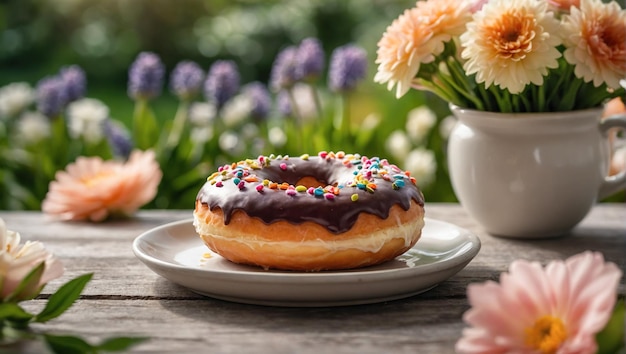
329 211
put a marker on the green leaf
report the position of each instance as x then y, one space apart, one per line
12 312
611 338
120 343
63 298
28 288
76 345
68 344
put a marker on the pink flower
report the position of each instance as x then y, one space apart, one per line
595 38
94 189
17 261
556 309
563 5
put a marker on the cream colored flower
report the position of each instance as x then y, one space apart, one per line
277 137
18 260
422 164
202 113
32 127
419 122
511 44
86 119
93 189
398 144
416 37
14 98
595 37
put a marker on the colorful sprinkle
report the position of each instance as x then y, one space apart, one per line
241 185
354 197
259 188
283 166
319 192
329 196
291 192
219 184
300 189
236 180
305 157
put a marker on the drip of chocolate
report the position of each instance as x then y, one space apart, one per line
268 188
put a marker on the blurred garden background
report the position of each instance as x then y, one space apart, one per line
104 37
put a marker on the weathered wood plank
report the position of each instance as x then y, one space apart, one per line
192 326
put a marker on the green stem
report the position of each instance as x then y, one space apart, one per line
145 129
345 120
178 124
295 110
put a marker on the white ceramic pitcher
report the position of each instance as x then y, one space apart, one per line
531 174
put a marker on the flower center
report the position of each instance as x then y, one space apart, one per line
512 35
93 180
546 335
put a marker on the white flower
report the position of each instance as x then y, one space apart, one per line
422 164
202 113
511 44
277 137
237 110
32 127
86 119
370 122
17 261
419 122
200 135
398 144
14 98
229 142
446 126
304 96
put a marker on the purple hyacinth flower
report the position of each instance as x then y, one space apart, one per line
310 59
186 79
222 82
261 99
51 96
283 103
118 138
75 82
283 75
348 65
145 76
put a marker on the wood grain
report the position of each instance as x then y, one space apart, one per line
126 298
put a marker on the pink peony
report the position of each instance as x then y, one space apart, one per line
17 261
556 309
94 189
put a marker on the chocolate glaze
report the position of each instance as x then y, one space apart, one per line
338 214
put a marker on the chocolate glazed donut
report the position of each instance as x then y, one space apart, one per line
331 211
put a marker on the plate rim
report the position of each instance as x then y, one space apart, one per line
321 276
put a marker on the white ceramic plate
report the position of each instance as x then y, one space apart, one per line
177 253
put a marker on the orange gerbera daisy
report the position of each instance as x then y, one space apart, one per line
595 37
93 189
415 38
511 44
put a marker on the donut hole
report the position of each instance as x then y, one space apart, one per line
309 181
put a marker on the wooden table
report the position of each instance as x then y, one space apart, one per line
126 298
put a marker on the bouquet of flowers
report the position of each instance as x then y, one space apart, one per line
508 56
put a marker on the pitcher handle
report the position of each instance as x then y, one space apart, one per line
615 183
